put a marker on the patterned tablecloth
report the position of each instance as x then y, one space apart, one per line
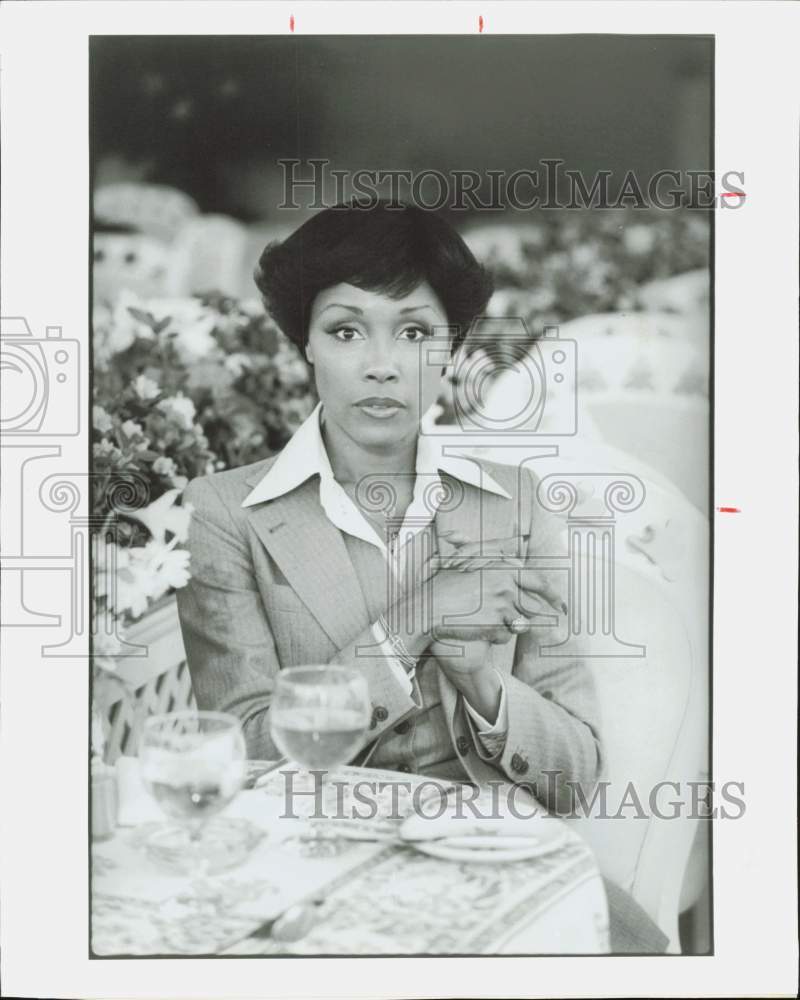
372 898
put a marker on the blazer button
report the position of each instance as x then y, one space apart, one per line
402 727
462 744
518 764
548 695
380 714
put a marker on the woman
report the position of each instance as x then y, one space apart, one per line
292 562
289 561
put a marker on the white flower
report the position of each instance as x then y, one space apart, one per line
132 429
145 388
251 307
164 466
584 255
163 515
181 407
163 567
639 239
174 568
237 363
128 587
105 447
142 575
190 326
101 421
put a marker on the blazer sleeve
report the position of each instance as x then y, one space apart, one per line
554 732
229 643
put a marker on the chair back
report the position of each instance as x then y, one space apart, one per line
668 431
152 684
653 712
653 706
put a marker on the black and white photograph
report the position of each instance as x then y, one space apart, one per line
386 501
400 433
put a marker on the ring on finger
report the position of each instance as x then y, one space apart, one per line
518 625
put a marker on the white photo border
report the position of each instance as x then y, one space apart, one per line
44 916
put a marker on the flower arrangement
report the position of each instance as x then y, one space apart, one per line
182 388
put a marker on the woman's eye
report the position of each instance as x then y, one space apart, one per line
347 333
414 333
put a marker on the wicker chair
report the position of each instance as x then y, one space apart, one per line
153 683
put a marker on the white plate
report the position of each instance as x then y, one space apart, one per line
490 855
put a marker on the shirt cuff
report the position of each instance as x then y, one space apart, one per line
403 676
492 736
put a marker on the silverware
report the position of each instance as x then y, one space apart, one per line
259 780
291 925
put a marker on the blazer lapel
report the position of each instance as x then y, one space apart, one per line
313 557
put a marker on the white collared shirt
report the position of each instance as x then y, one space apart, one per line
305 456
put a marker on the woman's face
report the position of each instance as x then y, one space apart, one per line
371 364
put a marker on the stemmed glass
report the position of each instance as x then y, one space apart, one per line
319 715
194 764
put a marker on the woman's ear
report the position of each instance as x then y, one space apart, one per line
309 354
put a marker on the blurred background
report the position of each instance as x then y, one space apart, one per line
186 135
212 115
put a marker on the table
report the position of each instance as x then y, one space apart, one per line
374 898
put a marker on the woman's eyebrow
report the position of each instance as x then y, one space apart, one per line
341 305
355 309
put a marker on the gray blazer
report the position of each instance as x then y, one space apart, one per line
272 586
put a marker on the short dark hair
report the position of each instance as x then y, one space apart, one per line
388 247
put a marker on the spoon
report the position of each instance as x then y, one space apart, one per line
291 925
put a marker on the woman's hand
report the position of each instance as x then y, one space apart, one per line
484 585
462 659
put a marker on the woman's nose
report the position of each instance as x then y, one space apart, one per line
382 369
381 375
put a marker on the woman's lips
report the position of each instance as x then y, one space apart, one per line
380 409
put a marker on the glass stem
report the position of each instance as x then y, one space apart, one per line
195 832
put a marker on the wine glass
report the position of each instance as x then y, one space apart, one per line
193 763
319 714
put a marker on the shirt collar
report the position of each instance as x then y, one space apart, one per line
305 456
